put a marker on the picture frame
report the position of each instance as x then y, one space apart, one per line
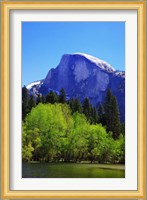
6 77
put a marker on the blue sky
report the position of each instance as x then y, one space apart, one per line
44 43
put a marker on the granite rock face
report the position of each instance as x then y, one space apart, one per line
82 75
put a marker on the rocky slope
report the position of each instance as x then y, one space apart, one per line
82 75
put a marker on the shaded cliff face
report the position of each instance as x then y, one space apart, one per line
83 76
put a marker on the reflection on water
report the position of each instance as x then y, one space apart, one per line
74 170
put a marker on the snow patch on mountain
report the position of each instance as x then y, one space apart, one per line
100 63
33 84
120 74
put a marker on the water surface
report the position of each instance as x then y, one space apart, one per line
72 170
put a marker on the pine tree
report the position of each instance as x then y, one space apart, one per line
32 103
77 106
71 104
62 96
94 116
25 101
51 97
91 112
86 108
112 116
101 115
116 128
42 99
123 129
39 100
108 110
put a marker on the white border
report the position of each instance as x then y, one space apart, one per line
130 180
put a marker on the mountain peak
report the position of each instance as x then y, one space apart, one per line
100 63
82 75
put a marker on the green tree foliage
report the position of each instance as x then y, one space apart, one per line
62 96
31 103
79 138
42 98
108 109
51 97
39 100
94 115
25 102
115 119
28 102
27 149
122 128
77 106
69 132
72 105
99 144
101 115
90 112
112 116
118 150
52 134
86 108
52 122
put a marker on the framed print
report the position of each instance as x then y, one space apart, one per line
73 99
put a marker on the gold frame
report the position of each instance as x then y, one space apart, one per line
119 5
